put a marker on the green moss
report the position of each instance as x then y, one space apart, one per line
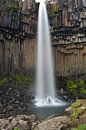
81 127
78 108
16 128
76 113
3 81
76 104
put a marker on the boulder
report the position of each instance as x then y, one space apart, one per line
12 124
22 122
77 112
55 123
24 125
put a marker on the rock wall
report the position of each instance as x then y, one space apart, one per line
69 59
17 56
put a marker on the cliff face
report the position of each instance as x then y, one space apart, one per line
18 29
27 4
17 15
69 12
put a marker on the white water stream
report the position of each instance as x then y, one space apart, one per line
45 84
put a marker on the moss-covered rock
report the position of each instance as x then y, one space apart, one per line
77 112
76 104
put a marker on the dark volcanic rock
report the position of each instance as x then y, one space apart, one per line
13 101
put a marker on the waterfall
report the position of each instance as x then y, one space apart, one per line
45 73
45 84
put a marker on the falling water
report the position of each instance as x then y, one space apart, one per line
45 85
45 75
84 2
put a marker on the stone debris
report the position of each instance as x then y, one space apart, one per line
13 102
22 122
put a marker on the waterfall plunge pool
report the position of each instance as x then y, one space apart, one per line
45 110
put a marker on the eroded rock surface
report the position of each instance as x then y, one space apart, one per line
55 123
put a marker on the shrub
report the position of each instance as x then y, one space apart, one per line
16 80
76 87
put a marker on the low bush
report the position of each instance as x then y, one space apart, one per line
16 80
76 88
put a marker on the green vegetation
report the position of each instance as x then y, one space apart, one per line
16 128
76 104
3 81
78 108
76 87
81 127
76 113
16 80
52 10
83 91
14 5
